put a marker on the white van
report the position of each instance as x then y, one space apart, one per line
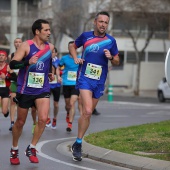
163 90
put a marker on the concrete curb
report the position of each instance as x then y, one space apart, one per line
122 159
116 158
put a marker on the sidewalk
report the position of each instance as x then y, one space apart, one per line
116 158
129 92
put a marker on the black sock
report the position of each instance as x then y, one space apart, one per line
6 115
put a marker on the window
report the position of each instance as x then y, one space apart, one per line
156 56
131 58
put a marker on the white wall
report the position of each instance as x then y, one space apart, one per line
155 45
122 77
150 75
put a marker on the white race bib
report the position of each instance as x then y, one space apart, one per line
54 81
72 75
2 83
93 71
35 80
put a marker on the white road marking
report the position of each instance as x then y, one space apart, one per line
112 116
40 145
160 112
139 104
135 104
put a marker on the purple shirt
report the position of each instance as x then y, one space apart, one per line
33 79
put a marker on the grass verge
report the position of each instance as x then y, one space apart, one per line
150 140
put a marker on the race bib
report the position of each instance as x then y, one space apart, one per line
35 80
54 81
93 71
2 83
16 71
72 75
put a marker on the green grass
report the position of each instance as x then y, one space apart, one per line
148 138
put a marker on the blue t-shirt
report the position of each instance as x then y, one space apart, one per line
95 67
55 63
69 74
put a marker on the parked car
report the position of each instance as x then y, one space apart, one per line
163 90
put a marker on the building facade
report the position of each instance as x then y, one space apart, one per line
140 28
27 14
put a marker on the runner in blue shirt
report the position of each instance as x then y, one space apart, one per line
98 48
71 94
55 87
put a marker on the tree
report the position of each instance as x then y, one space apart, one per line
138 19
66 19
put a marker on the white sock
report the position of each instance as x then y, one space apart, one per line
15 148
32 146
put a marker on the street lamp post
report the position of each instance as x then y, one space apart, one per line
13 26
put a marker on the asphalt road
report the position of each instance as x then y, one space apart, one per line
122 112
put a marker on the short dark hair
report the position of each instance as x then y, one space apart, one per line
70 42
102 13
37 25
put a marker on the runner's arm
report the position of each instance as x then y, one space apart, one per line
115 60
59 79
72 50
18 61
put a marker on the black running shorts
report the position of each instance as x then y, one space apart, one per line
68 91
4 92
56 93
27 101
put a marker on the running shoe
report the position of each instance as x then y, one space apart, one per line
67 118
53 126
69 127
31 154
76 151
95 112
33 128
10 129
14 157
48 123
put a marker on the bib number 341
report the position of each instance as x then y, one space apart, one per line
93 71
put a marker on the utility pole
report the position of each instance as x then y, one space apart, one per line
13 26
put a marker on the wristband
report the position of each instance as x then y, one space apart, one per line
111 58
18 64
